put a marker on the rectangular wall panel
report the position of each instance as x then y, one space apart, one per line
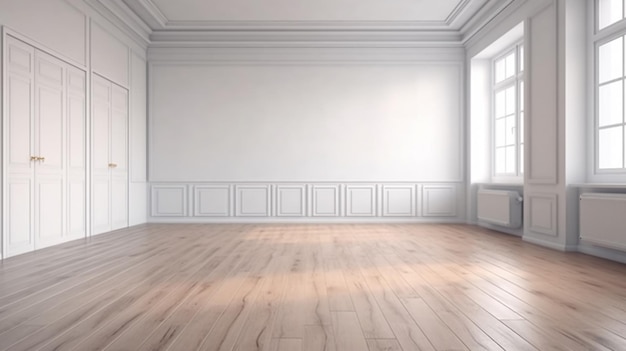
169 201
252 200
325 200
109 56
360 200
542 119
439 201
398 200
138 120
291 200
212 200
543 214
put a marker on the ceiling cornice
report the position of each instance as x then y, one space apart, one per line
124 18
327 38
464 21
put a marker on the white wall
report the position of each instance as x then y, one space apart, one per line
358 125
55 24
306 122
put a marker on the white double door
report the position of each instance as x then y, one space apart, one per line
109 156
44 150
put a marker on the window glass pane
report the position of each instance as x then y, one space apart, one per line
500 70
610 11
610 104
610 63
510 100
511 129
521 158
511 160
611 148
521 127
500 104
500 132
500 161
521 96
521 58
511 69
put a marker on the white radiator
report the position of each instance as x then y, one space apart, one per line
500 207
603 219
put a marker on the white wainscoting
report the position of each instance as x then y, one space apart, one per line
291 200
399 200
361 200
306 202
439 200
212 200
253 200
326 201
543 214
169 201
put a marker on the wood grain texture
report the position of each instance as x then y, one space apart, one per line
310 288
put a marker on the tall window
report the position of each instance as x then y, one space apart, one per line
610 86
508 112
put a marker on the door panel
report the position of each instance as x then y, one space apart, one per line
50 129
101 205
19 118
49 212
19 219
119 130
119 202
77 211
100 142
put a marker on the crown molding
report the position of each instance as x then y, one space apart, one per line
124 18
486 15
304 25
185 55
326 38
149 12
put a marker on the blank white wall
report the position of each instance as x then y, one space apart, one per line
297 122
56 24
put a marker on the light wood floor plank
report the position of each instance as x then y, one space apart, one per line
312 288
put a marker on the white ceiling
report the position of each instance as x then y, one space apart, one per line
285 14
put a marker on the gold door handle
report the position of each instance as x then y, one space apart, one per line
42 159
34 158
112 165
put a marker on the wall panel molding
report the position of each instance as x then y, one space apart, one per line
361 200
169 201
439 201
398 200
306 202
212 200
253 200
543 215
291 200
326 201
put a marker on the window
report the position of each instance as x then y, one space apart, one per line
508 112
610 88
609 12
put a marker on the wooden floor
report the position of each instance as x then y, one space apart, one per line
310 287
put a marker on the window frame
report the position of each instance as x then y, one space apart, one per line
517 81
600 36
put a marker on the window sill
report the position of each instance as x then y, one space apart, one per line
599 185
